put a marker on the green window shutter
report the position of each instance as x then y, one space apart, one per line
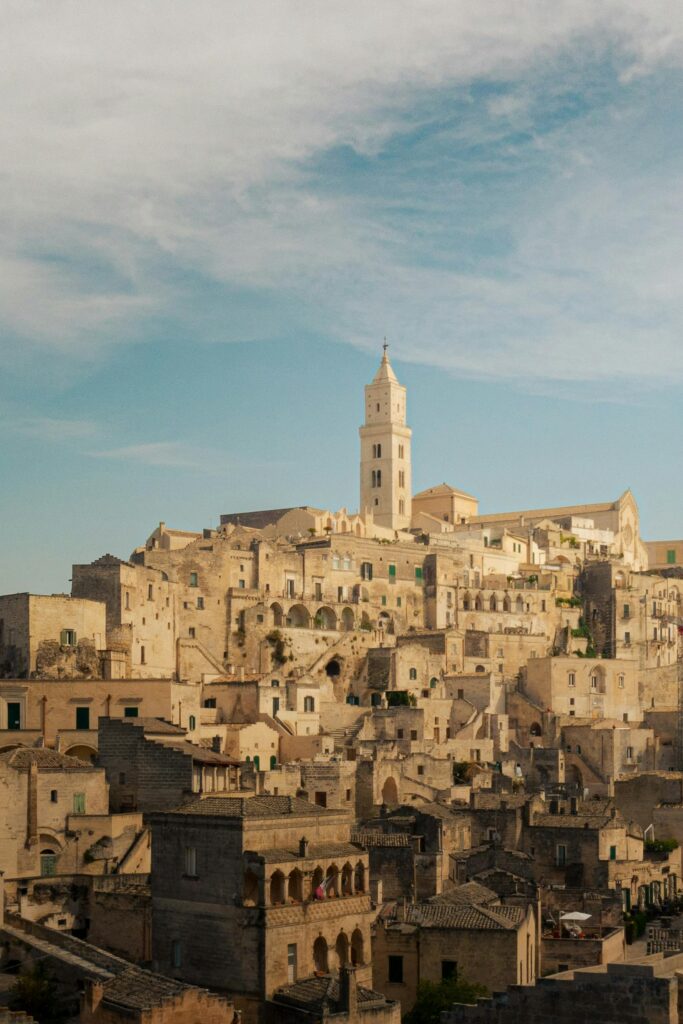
418 572
62 638
392 570
384 599
671 556
79 803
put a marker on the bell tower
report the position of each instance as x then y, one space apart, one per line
385 473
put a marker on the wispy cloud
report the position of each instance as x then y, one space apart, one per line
171 454
48 428
526 234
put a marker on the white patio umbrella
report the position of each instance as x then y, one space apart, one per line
575 915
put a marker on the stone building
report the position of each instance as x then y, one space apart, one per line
55 810
280 873
65 713
52 636
468 933
150 765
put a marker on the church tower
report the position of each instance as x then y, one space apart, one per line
385 476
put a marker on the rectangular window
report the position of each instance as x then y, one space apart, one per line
67 638
399 734
200 603
191 861
413 734
671 556
242 584
612 853
401 478
48 864
396 970
418 572
627 638
291 962
401 451
366 570
131 712
82 718
560 855
627 611
449 969
193 632
79 803
150 592
392 572
142 655
572 679
13 715
194 579
398 602
384 599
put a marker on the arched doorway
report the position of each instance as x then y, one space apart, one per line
390 793
277 888
333 668
535 729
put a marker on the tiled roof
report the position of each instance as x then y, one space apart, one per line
200 754
251 807
158 726
380 838
46 760
319 993
587 821
466 895
468 918
137 989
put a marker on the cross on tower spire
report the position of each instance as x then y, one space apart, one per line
385 346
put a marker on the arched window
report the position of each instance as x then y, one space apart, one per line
320 955
250 889
277 888
379 477
316 882
295 886
347 880
257 762
359 877
192 723
357 947
273 761
413 673
341 947
309 704
466 602
493 604
332 881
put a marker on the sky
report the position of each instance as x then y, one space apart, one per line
212 214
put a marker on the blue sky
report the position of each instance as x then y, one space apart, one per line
208 225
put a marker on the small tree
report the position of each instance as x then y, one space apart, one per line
433 998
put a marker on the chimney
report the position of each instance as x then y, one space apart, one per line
348 992
303 847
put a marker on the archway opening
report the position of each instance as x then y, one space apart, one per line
320 955
390 793
357 947
333 668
